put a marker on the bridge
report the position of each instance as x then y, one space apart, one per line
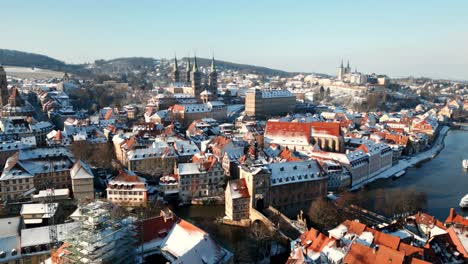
276 221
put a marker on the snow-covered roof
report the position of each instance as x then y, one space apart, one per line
81 170
293 172
188 168
40 208
151 152
40 235
197 246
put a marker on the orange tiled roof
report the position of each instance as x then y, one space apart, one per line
329 128
388 255
286 129
418 261
381 238
309 236
127 176
456 241
354 227
409 250
359 254
320 242
455 218
428 220
108 114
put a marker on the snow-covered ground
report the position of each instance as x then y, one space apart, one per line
31 73
404 164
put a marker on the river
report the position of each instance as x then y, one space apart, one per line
441 178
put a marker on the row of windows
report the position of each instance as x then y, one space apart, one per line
20 180
20 187
125 192
125 199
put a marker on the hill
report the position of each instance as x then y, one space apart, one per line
33 60
241 67
118 65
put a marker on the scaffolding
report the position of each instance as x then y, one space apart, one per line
101 238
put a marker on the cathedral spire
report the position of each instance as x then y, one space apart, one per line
341 66
175 71
195 66
213 68
175 63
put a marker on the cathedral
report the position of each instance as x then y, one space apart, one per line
343 71
193 84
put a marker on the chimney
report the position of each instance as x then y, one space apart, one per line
452 213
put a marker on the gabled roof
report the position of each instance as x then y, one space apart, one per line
410 250
288 132
156 227
381 238
455 218
388 255
326 128
127 176
354 227
81 170
238 189
359 254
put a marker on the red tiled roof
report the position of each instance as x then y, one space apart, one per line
108 114
189 227
288 129
388 255
381 238
456 241
328 128
397 138
455 218
354 227
428 220
127 176
320 242
240 186
309 236
418 261
409 250
359 254
156 227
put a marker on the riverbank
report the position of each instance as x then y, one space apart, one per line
402 165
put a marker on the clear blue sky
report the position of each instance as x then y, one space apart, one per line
399 38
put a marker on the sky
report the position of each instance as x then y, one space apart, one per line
397 38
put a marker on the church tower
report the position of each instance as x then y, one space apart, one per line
348 68
196 79
187 71
213 79
66 78
341 71
3 88
175 71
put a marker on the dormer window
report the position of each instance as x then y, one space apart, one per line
282 169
